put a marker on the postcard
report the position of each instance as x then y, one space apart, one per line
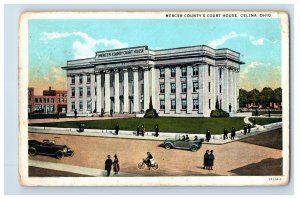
166 98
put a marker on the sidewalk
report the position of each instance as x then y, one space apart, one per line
75 169
215 139
66 119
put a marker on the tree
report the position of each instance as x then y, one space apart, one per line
254 96
266 96
243 97
277 95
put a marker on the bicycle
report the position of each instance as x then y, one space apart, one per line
153 165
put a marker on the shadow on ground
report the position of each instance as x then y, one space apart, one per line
271 139
268 166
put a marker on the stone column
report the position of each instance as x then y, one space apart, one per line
136 100
178 89
146 88
117 91
167 89
201 90
237 105
98 96
189 92
126 91
155 96
107 91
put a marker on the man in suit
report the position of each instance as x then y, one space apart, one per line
108 164
232 133
117 127
208 135
225 132
211 159
138 130
205 162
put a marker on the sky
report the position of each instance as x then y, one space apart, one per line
53 42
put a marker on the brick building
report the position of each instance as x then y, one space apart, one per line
50 101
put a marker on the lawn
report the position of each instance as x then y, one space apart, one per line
166 124
264 121
265 112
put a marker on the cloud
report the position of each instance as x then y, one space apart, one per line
259 75
222 40
87 47
232 35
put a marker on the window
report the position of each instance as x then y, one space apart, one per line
183 87
220 72
95 78
89 105
73 92
73 79
47 100
162 72
80 92
88 79
40 100
52 100
44 100
58 100
183 71
208 86
162 88
208 70
95 90
88 91
195 70
195 86
183 103
80 105
173 72
80 79
63 100
36 100
162 104
173 88
73 105
220 88
173 104
209 103
195 104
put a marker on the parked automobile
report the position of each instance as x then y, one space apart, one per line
177 143
48 147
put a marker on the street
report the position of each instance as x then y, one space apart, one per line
237 158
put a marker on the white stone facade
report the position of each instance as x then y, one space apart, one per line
182 82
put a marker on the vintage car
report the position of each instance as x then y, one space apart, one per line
48 147
177 143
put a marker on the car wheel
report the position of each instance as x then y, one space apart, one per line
32 151
141 165
194 148
168 146
59 154
155 166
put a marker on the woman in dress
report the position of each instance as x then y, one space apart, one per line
116 165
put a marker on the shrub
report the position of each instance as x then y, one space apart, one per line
219 113
150 113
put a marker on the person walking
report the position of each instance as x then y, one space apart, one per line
208 135
156 131
142 130
108 164
116 165
117 127
232 133
102 112
211 159
138 130
75 113
111 112
249 128
225 132
245 129
205 162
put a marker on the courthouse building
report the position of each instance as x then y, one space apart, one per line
183 82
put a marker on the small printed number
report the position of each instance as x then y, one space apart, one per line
275 179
